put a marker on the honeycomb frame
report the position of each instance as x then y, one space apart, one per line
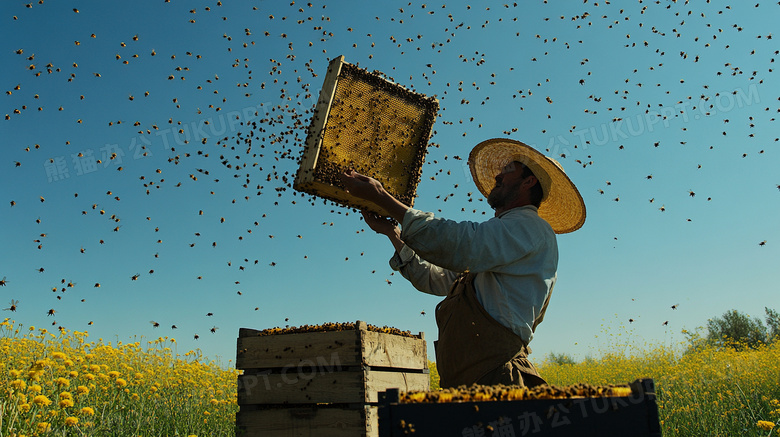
369 124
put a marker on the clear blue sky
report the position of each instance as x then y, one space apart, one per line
618 93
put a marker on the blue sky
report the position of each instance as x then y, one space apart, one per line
652 100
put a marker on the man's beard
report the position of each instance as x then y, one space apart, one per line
495 199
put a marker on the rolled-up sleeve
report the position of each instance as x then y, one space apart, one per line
424 276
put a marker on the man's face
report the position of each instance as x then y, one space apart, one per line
507 185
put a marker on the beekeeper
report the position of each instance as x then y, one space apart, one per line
497 275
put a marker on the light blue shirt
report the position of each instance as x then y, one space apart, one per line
514 256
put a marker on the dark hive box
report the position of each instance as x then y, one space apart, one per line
369 124
323 380
545 411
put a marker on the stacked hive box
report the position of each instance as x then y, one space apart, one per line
312 382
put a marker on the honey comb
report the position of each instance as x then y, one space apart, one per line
482 393
330 326
369 124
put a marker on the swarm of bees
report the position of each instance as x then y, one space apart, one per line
330 326
368 108
482 393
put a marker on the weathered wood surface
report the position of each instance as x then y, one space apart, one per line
308 421
385 350
305 175
343 348
322 385
279 351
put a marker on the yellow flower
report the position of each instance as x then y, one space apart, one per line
113 374
66 395
67 363
73 374
94 368
18 384
765 425
66 403
121 382
35 388
24 407
41 401
82 390
15 373
43 426
58 355
87 411
71 421
214 402
89 376
62 382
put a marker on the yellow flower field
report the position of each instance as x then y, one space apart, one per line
704 392
59 383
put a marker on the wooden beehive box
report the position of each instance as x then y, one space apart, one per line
634 415
368 124
323 383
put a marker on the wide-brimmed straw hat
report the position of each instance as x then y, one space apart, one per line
562 205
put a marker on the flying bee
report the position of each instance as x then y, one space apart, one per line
50 312
154 324
12 306
214 329
3 282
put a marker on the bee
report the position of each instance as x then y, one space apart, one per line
214 329
763 243
154 324
50 312
135 277
422 313
3 282
12 306
196 336
209 314
174 327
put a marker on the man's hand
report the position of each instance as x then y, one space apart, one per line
385 226
379 224
361 186
370 189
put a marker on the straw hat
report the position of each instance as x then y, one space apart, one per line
562 205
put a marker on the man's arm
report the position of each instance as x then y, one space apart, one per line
424 276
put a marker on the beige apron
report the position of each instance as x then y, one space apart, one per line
475 348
